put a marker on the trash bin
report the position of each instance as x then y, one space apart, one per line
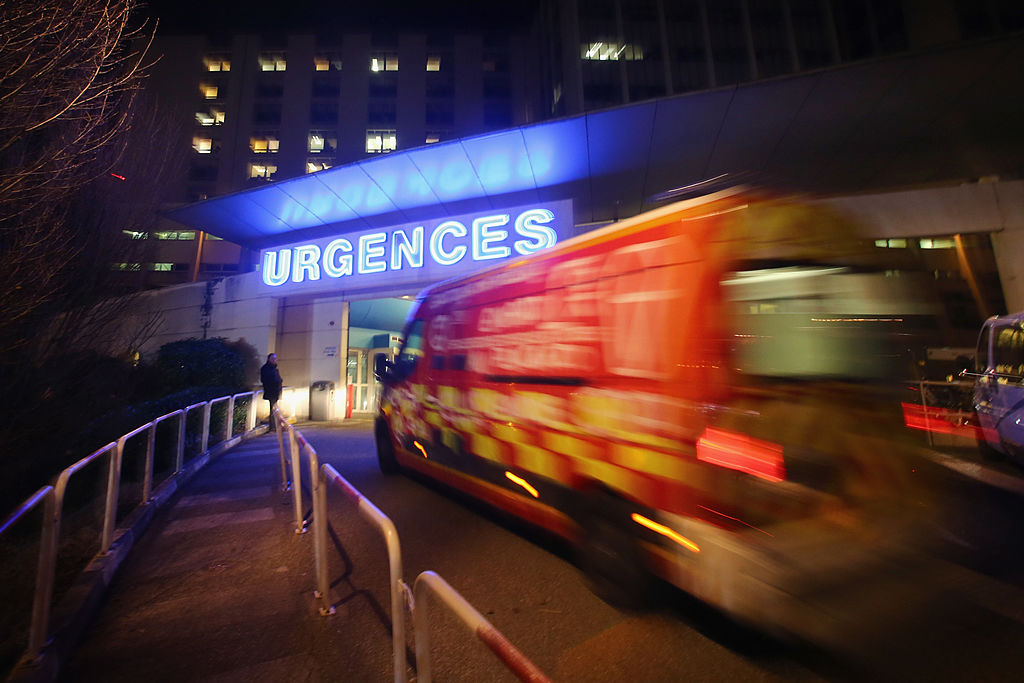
321 401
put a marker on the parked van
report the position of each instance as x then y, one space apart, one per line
999 385
701 393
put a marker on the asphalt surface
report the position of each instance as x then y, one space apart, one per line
220 588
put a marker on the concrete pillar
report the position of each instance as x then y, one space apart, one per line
328 339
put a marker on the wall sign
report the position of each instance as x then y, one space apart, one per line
414 255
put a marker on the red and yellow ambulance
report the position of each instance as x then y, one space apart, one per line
699 393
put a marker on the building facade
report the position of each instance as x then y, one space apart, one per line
904 116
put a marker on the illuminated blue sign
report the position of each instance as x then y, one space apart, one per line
414 255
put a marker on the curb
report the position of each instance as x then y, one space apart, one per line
986 475
79 606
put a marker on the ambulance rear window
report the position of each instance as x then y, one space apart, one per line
814 321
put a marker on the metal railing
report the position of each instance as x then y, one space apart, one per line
52 497
516 662
401 595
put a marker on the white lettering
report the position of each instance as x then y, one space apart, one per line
343 266
412 250
437 250
276 267
307 264
368 251
543 236
484 235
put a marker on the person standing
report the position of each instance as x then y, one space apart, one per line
270 376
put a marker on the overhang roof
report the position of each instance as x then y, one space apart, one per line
945 115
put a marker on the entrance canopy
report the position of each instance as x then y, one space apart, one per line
948 115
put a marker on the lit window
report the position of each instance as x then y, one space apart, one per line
327 62
208 91
217 63
384 62
891 244
176 235
262 171
264 144
136 235
381 141
131 267
272 62
937 243
314 165
163 267
202 145
433 62
213 117
436 136
321 142
212 238
611 51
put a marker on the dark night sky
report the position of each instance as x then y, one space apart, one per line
201 16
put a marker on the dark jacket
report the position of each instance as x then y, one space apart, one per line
270 376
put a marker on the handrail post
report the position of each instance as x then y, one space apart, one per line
147 478
45 571
280 447
296 479
372 514
250 417
205 443
113 487
398 589
229 421
179 456
320 548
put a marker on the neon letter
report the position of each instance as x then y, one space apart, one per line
344 264
413 250
483 235
276 266
367 251
306 263
526 225
437 251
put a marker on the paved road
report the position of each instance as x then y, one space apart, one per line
220 589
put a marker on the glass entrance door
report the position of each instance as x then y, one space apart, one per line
359 374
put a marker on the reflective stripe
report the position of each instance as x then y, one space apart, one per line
486 447
562 443
651 462
538 460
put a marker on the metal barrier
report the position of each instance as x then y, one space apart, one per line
401 595
44 568
53 497
515 660
399 589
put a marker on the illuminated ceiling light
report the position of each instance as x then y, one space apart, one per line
522 482
666 532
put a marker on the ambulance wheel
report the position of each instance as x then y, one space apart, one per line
610 560
385 449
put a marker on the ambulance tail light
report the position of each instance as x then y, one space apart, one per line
743 453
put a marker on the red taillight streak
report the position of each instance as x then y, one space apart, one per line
735 519
743 453
939 421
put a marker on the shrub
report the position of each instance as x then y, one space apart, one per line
192 363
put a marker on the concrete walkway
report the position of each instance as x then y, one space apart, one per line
220 589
